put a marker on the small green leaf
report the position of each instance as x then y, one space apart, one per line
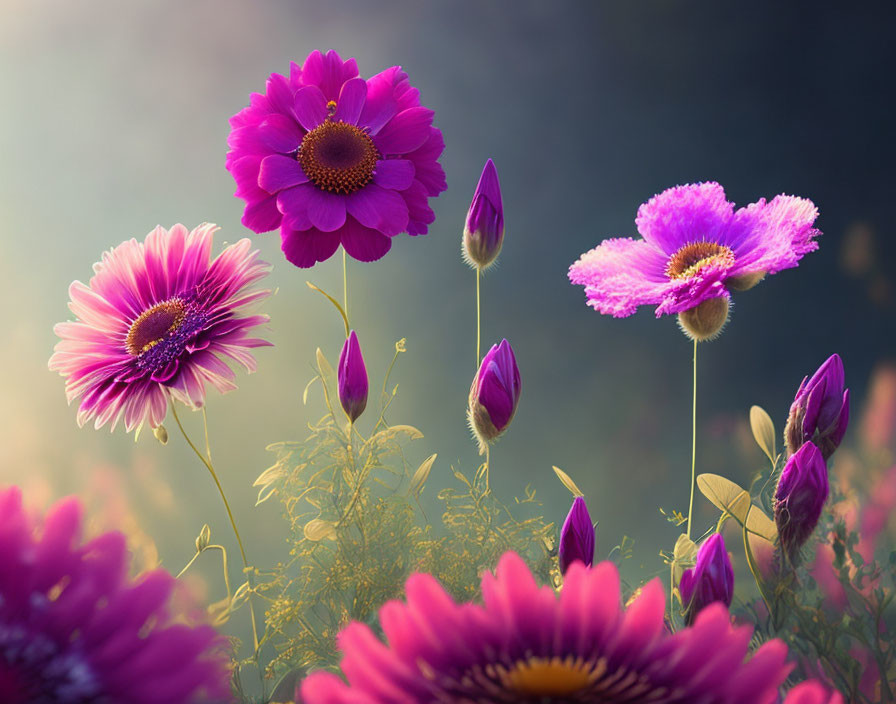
568 482
270 474
421 475
204 538
326 371
725 495
684 556
318 529
307 387
240 597
393 433
763 431
761 525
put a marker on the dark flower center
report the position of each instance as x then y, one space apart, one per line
693 257
338 157
543 677
34 670
154 325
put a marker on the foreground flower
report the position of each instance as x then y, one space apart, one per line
709 581
576 537
812 693
820 411
695 249
526 644
494 394
484 227
799 499
330 158
74 629
352 378
158 318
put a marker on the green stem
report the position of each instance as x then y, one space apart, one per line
478 318
207 462
488 465
345 286
693 443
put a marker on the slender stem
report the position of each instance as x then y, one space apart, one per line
488 459
344 285
693 443
477 317
239 540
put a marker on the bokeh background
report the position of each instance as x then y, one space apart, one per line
114 118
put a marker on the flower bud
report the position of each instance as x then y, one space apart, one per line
820 411
494 394
576 536
352 377
484 228
705 321
800 496
711 579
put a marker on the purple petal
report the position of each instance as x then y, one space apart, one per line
351 101
775 235
263 215
293 203
279 94
419 213
405 132
379 208
396 174
363 243
280 133
305 248
325 210
620 275
278 172
310 107
381 105
328 72
683 214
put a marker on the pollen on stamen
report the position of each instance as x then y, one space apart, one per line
153 325
331 108
338 157
693 257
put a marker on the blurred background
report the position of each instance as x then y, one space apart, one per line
115 119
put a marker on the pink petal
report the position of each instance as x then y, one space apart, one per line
278 172
396 174
310 107
363 243
351 101
379 208
305 248
405 132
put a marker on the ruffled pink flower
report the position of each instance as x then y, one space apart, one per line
526 644
330 159
695 247
74 629
159 318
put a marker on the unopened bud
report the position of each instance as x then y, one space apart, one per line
352 378
484 227
204 538
160 434
711 579
494 394
705 321
576 536
799 499
820 410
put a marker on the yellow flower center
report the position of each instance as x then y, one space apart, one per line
693 257
154 325
543 677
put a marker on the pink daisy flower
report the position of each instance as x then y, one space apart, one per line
331 158
526 644
159 318
74 629
695 247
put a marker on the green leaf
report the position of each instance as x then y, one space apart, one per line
393 433
307 387
568 482
421 475
725 495
684 556
761 525
763 432
204 538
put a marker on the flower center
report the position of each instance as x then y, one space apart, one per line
338 157
693 257
154 325
543 677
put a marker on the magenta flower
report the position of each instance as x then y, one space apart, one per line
812 693
526 644
820 411
695 248
352 378
576 537
494 394
484 227
330 158
799 499
710 580
157 319
74 629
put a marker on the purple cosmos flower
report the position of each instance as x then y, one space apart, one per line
710 580
526 644
576 536
812 693
352 378
695 248
330 158
74 629
799 498
494 394
158 316
484 228
820 411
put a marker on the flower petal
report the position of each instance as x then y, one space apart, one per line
363 243
280 133
305 248
310 107
351 101
328 72
683 214
278 172
377 207
396 174
405 132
